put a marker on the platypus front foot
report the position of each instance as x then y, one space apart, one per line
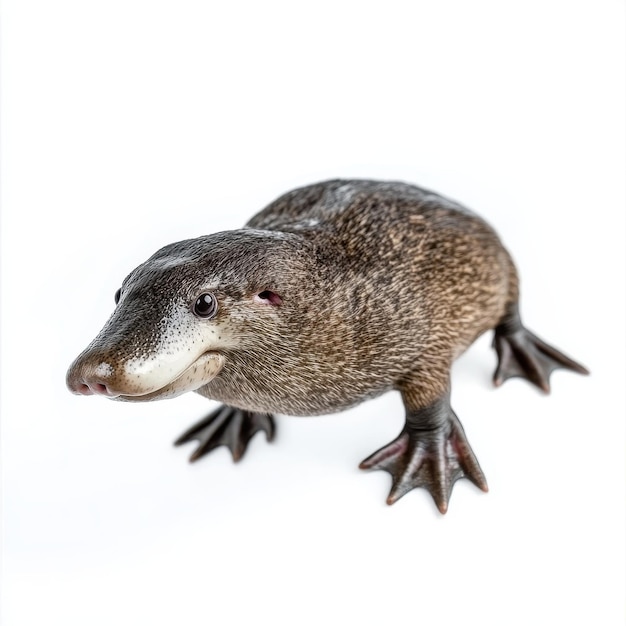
432 452
230 427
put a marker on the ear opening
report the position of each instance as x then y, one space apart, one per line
268 297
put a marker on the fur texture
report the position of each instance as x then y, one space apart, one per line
382 286
392 283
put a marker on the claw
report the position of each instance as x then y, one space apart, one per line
468 461
402 475
379 460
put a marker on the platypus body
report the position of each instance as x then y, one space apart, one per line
333 294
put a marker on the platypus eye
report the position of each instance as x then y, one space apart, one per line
205 306
118 293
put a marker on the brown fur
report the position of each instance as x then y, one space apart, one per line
398 282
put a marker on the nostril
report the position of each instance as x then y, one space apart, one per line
84 389
100 388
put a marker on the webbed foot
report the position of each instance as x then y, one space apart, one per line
434 457
520 353
230 427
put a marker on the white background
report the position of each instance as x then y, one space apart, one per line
129 124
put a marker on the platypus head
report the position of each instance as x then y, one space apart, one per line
179 314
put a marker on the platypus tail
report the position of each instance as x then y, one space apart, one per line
520 353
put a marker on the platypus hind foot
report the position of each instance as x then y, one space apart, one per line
432 458
520 353
230 427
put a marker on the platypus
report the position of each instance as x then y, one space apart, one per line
334 293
